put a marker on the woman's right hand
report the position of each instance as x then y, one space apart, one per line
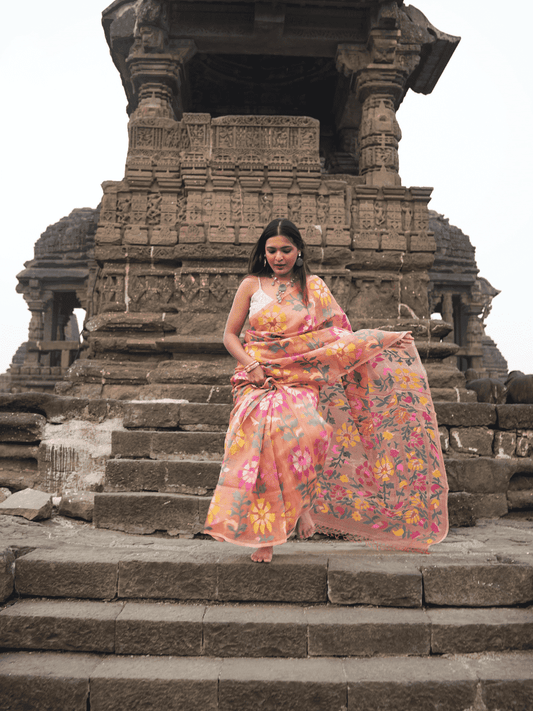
256 376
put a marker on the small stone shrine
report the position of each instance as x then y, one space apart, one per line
241 112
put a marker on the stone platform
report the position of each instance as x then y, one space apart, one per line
102 619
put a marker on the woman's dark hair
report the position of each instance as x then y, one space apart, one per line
258 265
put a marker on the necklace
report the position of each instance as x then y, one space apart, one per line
282 287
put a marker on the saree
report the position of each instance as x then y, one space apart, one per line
344 426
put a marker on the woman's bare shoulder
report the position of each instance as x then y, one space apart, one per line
248 285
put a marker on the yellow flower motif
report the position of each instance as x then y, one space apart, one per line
406 379
415 500
402 484
414 463
429 541
398 531
387 435
436 473
423 400
412 516
213 509
260 517
356 516
238 441
344 479
434 503
348 435
384 468
322 292
274 319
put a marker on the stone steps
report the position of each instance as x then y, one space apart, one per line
301 572
89 682
265 630
148 512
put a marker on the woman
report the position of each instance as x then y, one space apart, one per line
331 430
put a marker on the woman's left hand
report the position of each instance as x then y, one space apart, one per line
405 340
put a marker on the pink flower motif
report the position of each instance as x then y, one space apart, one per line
338 492
300 462
434 528
340 510
408 399
394 453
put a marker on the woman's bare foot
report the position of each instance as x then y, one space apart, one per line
263 555
306 526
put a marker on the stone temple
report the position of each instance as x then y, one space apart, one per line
242 111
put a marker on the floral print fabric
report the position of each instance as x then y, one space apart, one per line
344 425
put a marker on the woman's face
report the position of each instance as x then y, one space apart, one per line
281 254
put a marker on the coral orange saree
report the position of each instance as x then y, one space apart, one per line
344 425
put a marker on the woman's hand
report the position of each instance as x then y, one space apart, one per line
256 376
405 341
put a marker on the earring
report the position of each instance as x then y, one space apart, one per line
264 261
299 261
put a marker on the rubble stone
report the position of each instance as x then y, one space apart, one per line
29 503
80 505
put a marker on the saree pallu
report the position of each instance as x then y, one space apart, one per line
344 425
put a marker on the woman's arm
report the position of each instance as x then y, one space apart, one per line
237 317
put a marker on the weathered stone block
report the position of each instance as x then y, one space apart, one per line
466 414
478 585
21 427
360 632
286 579
7 574
506 682
72 572
486 630
255 631
153 684
177 477
152 415
505 445
79 505
131 444
354 581
310 684
480 475
30 503
147 512
489 505
472 440
207 413
188 445
512 417
524 443
444 437
160 629
520 499
46 681
461 509
410 683
60 625
166 576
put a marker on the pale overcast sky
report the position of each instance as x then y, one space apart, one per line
64 124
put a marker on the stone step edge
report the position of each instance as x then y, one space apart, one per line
81 682
203 570
129 627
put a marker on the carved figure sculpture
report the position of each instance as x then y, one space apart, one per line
488 390
519 387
